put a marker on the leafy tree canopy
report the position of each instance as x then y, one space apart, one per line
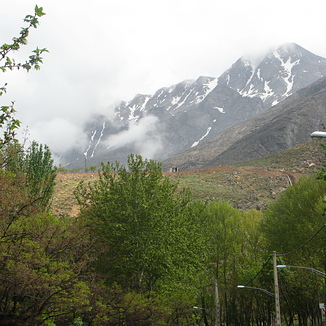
143 221
293 218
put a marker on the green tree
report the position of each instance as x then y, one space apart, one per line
234 248
295 216
223 230
252 306
291 227
35 59
93 168
8 123
139 214
62 169
40 173
44 272
36 174
150 231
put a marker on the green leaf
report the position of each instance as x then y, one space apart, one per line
28 18
39 11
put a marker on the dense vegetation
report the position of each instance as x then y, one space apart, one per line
142 252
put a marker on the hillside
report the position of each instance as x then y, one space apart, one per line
253 184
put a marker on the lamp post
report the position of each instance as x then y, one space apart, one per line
217 305
275 295
251 287
254 288
318 134
309 268
316 271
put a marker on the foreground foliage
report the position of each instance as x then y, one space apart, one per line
8 123
41 259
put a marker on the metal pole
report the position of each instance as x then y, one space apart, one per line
277 295
322 309
217 306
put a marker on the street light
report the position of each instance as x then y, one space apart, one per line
321 305
250 287
217 305
318 134
309 268
265 291
278 321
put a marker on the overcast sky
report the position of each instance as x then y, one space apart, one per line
104 51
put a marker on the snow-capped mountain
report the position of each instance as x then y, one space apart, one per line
172 99
277 129
181 116
279 74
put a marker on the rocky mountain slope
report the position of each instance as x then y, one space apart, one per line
281 127
182 116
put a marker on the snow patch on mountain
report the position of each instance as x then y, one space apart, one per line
134 108
99 139
207 88
220 109
268 91
209 129
287 67
182 102
202 138
175 100
90 143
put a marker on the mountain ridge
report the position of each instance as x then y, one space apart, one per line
283 126
182 116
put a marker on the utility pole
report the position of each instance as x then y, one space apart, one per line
322 309
217 306
277 294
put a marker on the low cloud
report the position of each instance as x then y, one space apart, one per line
59 134
143 135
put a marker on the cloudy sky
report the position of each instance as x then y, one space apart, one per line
104 51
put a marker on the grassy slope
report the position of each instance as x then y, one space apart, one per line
248 185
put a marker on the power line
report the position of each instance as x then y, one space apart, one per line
266 262
288 253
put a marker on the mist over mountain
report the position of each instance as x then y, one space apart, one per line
190 114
